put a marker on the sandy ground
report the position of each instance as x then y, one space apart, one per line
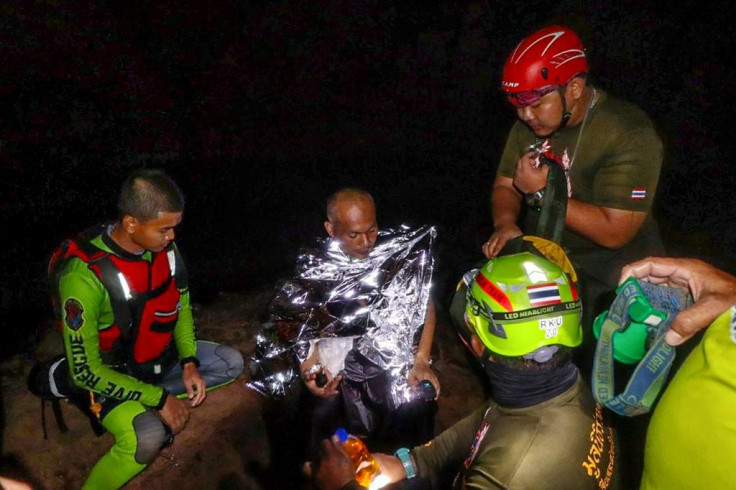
236 440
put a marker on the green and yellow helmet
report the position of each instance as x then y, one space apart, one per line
521 302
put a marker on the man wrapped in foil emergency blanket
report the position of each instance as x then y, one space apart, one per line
380 301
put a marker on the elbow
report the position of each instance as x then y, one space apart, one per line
80 379
618 228
80 374
614 242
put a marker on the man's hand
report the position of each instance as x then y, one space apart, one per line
326 391
529 176
194 383
421 371
335 469
175 414
11 484
499 238
713 291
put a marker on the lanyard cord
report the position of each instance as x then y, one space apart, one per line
593 100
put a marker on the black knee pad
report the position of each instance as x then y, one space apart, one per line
151 435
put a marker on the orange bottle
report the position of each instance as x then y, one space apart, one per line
366 468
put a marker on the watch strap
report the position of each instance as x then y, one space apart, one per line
534 199
405 456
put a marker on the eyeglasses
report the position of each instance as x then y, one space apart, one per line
529 97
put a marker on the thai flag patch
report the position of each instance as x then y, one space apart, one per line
544 294
638 194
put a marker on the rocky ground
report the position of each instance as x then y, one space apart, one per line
236 440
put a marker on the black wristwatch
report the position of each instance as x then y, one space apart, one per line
534 199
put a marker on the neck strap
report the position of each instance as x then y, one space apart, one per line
591 104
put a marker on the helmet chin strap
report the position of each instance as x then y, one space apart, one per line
566 115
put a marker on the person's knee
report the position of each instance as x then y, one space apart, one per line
233 360
151 436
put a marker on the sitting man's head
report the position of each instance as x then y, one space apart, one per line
150 206
351 221
522 311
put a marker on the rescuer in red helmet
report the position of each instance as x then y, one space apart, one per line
609 150
611 155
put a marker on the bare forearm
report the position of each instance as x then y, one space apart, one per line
421 369
391 467
505 203
608 227
425 343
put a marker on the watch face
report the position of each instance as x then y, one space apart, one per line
534 199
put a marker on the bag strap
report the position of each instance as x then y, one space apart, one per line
117 289
551 219
179 269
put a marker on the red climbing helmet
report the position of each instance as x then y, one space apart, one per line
541 62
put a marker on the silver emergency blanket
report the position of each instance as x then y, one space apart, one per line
382 300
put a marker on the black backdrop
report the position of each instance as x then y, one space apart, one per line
259 111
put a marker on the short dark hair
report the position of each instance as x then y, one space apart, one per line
147 192
357 193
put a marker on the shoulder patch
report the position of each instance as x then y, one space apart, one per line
638 194
73 311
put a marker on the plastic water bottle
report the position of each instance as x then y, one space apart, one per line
366 468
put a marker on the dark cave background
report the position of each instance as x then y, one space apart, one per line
260 110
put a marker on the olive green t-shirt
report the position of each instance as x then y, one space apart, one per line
563 443
614 163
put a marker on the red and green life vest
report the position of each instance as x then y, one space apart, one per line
145 299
